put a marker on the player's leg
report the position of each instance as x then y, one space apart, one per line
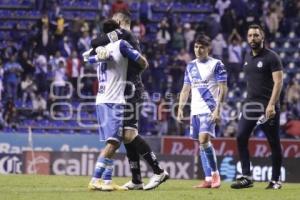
194 133
206 131
134 161
271 129
130 132
142 148
138 146
245 126
111 133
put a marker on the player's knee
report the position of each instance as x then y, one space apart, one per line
204 138
129 135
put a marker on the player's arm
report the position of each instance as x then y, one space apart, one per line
278 82
184 94
221 78
104 39
277 76
132 54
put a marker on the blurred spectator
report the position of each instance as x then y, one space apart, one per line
84 42
1 80
105 7
178 41
27 65
28 89
218 45
272 21
44 34
59 25
119 6
97 24
39 106
189 34
41 69
12 73
222 5
228 22
9 50
11 117
293 98
75 28
138 29
234 66
59 82
163 36
65 47
73 70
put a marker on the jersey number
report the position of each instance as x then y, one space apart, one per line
102 72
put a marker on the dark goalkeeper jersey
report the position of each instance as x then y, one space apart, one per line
258 72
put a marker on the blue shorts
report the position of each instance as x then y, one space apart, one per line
110 119
202 124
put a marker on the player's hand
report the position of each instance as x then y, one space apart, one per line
215 116
270 111
102 53
180 115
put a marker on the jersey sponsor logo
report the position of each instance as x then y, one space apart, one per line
260 64
200 84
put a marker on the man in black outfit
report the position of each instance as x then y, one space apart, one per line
135 145
263 70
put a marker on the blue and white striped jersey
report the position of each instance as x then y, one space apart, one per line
204 77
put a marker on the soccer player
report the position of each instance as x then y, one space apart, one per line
263 70
135 145
110 103
207 79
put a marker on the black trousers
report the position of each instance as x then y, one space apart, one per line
250 115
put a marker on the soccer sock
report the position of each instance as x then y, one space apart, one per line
107 174
144 150
210 155
99 169
205 165
134 163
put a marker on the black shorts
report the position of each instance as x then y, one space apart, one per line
131 114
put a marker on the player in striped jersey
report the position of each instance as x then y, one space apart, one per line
206 78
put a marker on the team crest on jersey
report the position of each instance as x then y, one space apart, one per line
246 63
113 36
260 64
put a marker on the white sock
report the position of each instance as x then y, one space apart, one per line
208 178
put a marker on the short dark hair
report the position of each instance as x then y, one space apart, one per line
256 26
110 25
203 39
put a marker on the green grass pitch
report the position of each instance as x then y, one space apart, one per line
35 187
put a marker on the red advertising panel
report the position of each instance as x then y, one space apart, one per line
37 162
179 146
227 147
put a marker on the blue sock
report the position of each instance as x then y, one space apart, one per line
205 164
99 168
210 155
107 175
